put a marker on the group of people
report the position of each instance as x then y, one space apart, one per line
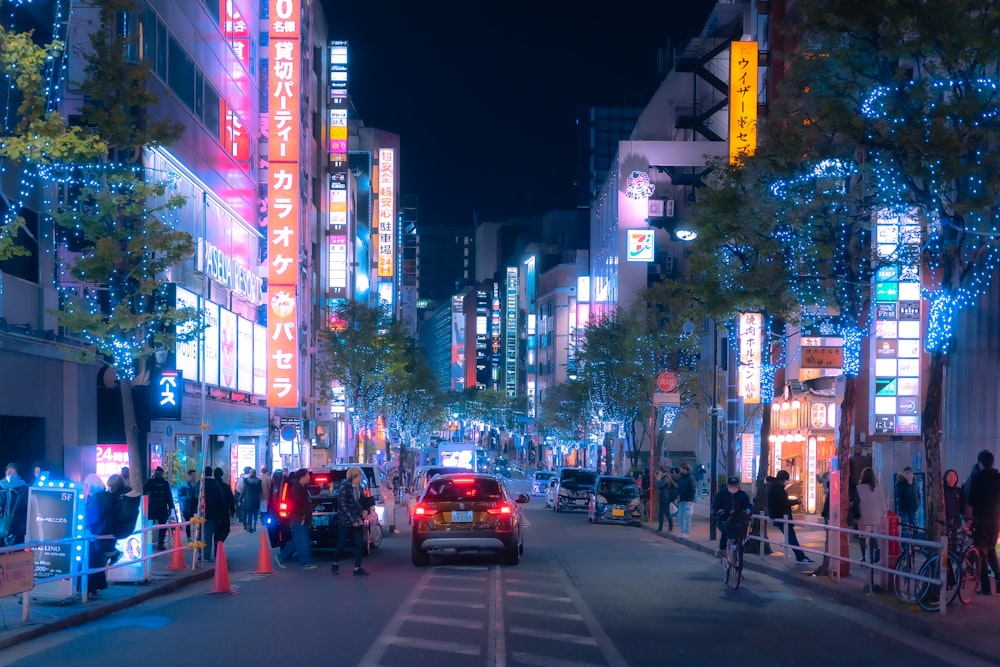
676 486
351 517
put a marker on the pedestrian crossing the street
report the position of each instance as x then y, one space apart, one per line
489 616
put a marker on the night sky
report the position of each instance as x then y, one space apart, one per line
484 95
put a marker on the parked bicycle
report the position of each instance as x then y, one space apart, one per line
962 577
911 559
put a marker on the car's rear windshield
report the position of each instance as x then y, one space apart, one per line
454 489
577 479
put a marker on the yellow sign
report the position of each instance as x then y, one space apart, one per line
17 572
743 91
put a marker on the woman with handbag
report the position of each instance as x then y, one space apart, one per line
871 502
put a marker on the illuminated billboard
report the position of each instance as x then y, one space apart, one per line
360 194
751 327
338 70
640 245
284 81
244 355
386 211
511 309
227 349
259 360
186 353
338 263
457 344
210 354
895 354
743 91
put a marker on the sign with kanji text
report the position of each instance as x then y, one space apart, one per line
751 326
386 212
168 390
282 358
822 357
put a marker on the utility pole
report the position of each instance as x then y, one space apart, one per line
713 415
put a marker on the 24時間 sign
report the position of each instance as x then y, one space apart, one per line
284 83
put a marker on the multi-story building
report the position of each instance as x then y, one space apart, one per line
446 260
598 131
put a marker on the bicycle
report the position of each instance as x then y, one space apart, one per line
732 555
963 573
911 559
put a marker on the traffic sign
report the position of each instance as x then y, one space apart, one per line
666 381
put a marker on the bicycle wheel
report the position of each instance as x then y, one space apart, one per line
733 565
929 595
968 584
903 586
724 559
738 553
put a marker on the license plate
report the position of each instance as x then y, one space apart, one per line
615 512
464 516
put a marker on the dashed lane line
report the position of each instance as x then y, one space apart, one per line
496 647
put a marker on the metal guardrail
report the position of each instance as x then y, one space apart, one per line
83 574
941 546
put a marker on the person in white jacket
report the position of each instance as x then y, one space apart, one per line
872 506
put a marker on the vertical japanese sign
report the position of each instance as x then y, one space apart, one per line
895 389
743 89
235 136
283 201
386 211
511 309
750 355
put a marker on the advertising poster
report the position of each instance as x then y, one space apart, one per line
227 348
457 345
110 460
51 514
210 353
360 166
186 353
129 565
244 355
259 360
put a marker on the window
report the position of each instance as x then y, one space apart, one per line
457 488
180 72
213 111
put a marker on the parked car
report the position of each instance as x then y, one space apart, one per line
468 512
575 487
540 482
421 476
615 500
374 481
322 494
551 491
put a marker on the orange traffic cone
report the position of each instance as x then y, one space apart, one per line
264 557
177 557
220 584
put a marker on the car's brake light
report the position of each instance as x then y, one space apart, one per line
463 480
283 510
423 510
501 509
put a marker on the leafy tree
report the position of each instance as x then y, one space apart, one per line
564 412
412 403
358 354
115 211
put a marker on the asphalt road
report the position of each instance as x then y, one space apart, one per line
582 596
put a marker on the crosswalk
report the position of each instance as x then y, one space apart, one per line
475 616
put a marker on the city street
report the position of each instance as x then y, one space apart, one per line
582 595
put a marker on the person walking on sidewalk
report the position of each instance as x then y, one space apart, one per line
300 520
984 498
187 495
350 519
666 489
161 502
215 511
780 507
250 500
685 498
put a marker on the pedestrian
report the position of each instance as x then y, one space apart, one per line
907 501
389 498
187 495
779 506
99 520
160 502
699 478
238 495
214 511
223 523
685 499
984 497
871 509
732 509
13 506
250 500
350 520
954 503
300 520
666 489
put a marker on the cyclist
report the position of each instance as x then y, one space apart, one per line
731 507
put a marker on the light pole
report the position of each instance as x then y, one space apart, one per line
714 482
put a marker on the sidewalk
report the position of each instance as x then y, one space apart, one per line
45 617
970 628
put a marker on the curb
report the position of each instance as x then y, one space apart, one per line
107 609
895 613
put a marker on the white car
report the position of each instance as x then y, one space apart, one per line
540 482
552 492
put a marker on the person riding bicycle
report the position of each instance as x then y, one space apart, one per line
732 508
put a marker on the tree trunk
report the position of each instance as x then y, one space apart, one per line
137 472
932 423
759 495
844 446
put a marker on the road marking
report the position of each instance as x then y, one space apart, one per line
451 622
604 643
546 661
533 583
452 589
452 603
496 645
555 636
430 645
378 648
567 616
538 596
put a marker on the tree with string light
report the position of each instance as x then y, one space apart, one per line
112 215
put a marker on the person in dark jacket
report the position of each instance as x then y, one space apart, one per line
13 506
160 501
666 489
732 509
224 522
984 498
907 501
780 507
99 520
250 496
187 496
214 502
954 502
685 498
300 519
350 520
